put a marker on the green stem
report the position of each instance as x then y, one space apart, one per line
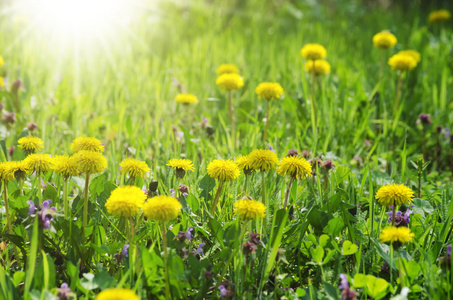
267 124
65 198
85 205
167 278
398 92
217 196
5 196
288 191
233 125
263 188
391 263
21 186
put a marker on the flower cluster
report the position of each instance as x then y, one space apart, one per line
401 218
125 201
399 235
230 81
384 40
134 168
269 90
44 213
294 166
263 160
394 194
248 209
186 99
402 62
162 208
439 16
223 170
317 67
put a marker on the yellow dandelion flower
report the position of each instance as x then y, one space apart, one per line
313 51
396 234
402 62
2 61
244 164
134 168
90 162
117 294
439 16
7 170
162 208
223 170
319 67
269 90
30 144
87 143
65 165
248 209
2 82
20 169
230 81
227 69
125 201
263 160
384 40
294 166
38 163
394 194
181 166
414 54
186 98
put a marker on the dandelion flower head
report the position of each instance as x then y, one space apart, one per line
394 194
90 162
248 209
269 90
87 143
313 51
230 81
294 166
134 168
125 201
396 234
402 62
263 160
223 170
186 98
162 208
227 69
318 67
384 40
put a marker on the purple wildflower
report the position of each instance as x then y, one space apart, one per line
344 282
447 132
200 249
32 208
204 122
125 251
172 192
223 291
144 189
170 227
46 213
188 234
184 190
64 292
449 250
401 218
272 149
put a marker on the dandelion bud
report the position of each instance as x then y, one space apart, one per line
16 85
9 118
439 129
292 152
153 188
11 151
32 126
424 119
183 189
328 165
210 131
249 248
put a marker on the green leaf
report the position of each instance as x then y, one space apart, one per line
412 268
193 203
216 230
103 279
359 280
334 226
318 219
317 254
376 287
50 193
323 240
349 248
300 292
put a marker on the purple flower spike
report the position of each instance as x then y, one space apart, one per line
449 250
64 292
125 251
344 282
188 234
200 249
32 208
223 291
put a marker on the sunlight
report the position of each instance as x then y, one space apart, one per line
82 18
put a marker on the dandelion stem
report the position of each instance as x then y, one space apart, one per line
85 205
398 92
167 278
65 197
267 123
5 196
393 215
21 186
391 263
263 188
217 196
313 91
39 188
381 68
233 125
288 191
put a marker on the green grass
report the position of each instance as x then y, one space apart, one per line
118 88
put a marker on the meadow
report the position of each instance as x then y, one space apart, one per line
214 149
